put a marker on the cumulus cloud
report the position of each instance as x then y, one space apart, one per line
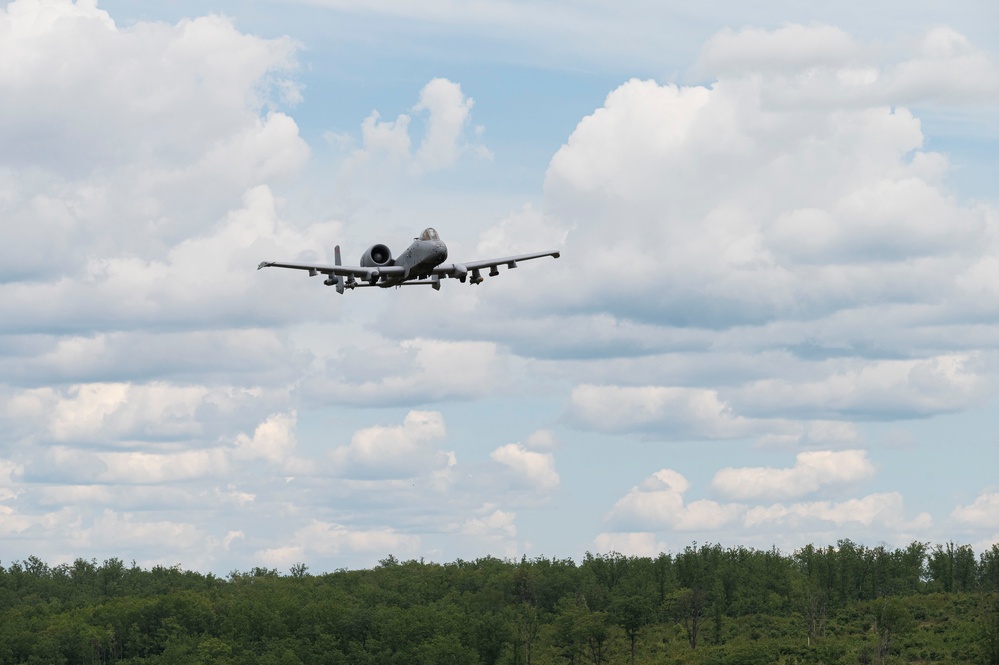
445 139
885 509
543 439
707 240
498 522
533 468
790 48
528 230
273 440
658 505
983 512
119 414
811 472
213 355
762 228
492 530
874 388
111 524
393 452
640 543
813 433
320 539
205 279
8 469
412 371
669 412
144 134
821 63
658 502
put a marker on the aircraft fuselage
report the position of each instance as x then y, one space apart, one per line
419 259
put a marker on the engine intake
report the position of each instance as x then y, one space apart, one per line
377 256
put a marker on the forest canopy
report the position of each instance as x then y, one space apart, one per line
707 604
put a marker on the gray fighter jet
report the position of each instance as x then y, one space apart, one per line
421 263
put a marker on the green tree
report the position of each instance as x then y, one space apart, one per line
988 569
990 634
688 607
632 613
892 619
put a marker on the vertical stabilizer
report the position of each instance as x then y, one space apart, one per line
336 260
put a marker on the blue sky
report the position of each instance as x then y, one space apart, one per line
773 322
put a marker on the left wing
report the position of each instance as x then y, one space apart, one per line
460 270
343 271
335 274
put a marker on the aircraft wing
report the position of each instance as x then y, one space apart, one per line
343 271
460 270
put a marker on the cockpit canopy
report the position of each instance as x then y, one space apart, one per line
429 234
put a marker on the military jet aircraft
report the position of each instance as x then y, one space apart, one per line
421 263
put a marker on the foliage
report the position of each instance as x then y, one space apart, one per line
704 605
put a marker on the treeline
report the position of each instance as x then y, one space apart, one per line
706 605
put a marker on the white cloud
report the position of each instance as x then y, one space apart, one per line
983 512
672 412
136 467
885 510
528 230
203 279
700 233
735 213
388 142
640 543
118 142
494 532
415 370
947 68
658 502
320 539
790 48
813 433
498 523
273 440
255 354
823 64
449 111
120 413
390 138
200 72
396 451
129 530
811 472
537 469
8 469
919 387
543 439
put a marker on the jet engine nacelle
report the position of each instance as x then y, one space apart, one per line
377 256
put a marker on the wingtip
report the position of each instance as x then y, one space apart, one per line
264 264
556 254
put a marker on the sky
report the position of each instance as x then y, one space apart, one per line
775 320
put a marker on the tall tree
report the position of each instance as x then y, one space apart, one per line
892 619
632 613
990 633
688 607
